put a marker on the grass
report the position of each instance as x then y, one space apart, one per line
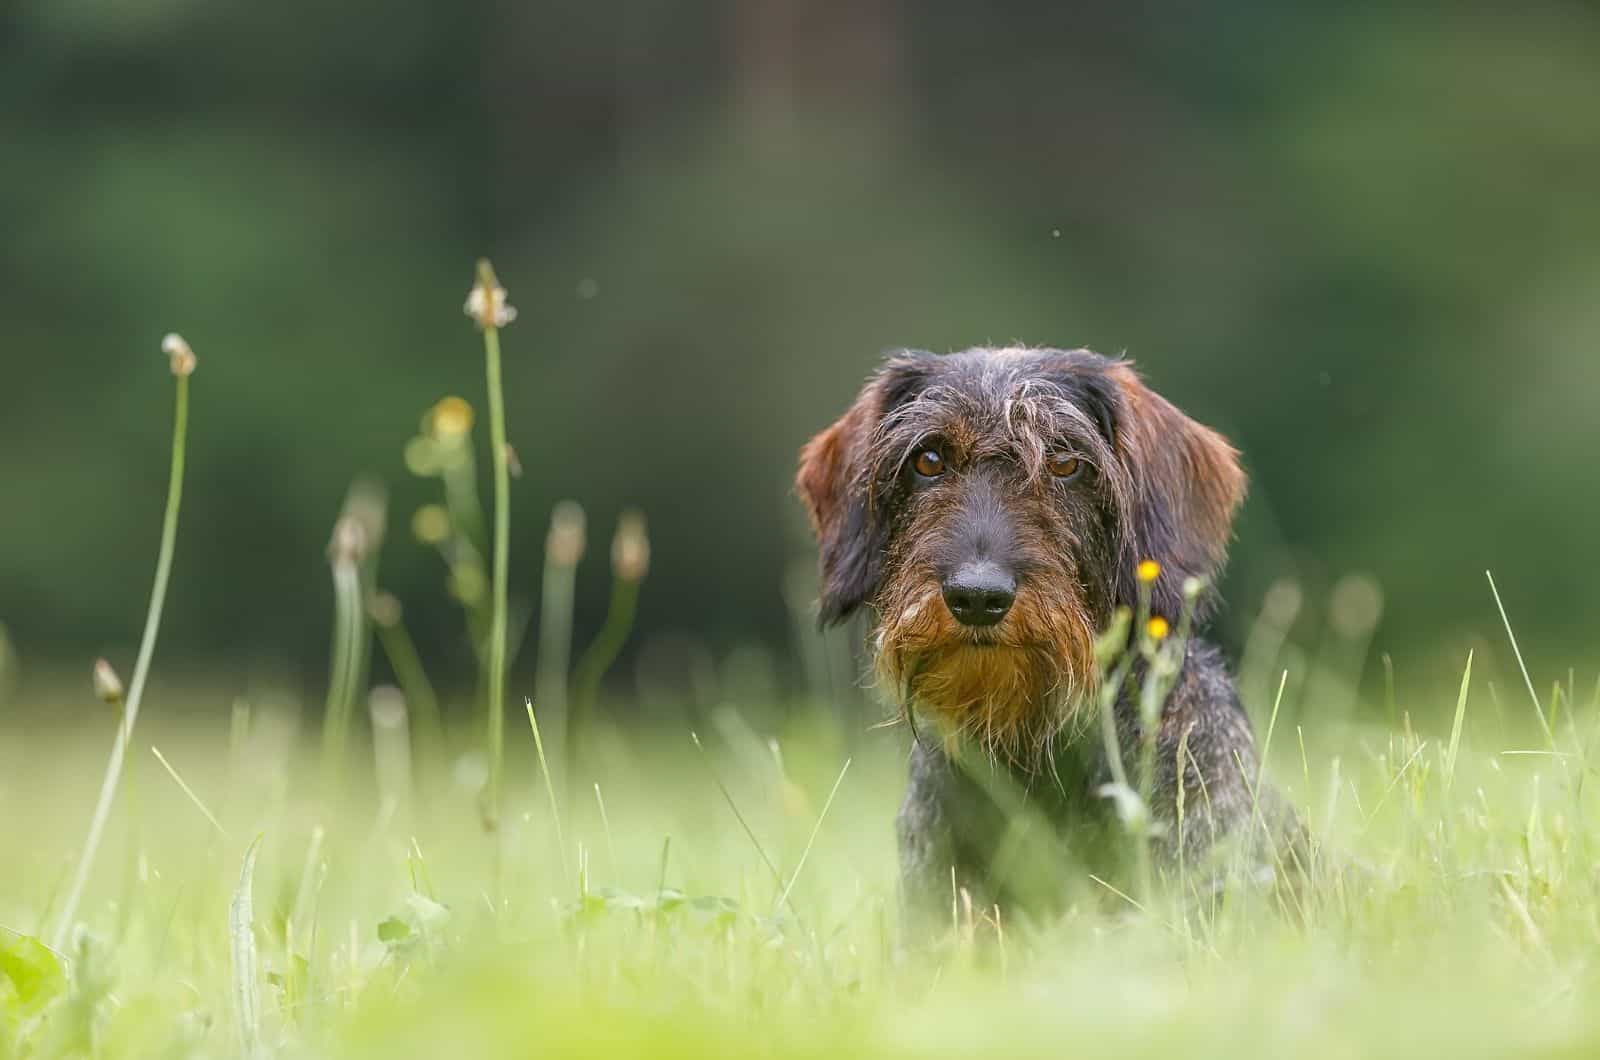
723 881
1472 932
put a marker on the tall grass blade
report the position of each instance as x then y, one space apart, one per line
727 796
187 790
1544 722
241 932
549 786
1455 728
806 853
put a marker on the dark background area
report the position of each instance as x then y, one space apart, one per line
1364 243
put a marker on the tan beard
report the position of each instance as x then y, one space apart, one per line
1010 694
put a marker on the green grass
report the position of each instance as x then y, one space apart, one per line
1471 931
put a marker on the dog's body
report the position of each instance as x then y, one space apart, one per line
961 815
996 510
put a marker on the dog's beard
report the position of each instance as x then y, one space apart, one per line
1011 689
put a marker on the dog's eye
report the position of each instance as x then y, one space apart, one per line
1065 465
929 463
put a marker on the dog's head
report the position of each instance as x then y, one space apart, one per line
991 507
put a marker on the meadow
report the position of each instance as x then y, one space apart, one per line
386 874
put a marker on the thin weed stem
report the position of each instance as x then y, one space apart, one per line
550 792
564 547
491 321
401 651
605 823
596 660
199 804
345 671
810 841
1544 722
147 647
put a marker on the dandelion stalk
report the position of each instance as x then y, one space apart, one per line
564 547
502 532
630 562
345 554
486 304
182 362
401 651
367 503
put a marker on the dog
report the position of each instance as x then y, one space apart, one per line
995 511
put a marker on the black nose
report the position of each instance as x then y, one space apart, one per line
979 594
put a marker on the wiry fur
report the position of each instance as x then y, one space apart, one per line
1157 486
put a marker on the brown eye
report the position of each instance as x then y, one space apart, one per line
1064 465
929 463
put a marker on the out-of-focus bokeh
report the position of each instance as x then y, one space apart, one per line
1365 243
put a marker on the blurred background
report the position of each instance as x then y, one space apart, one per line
1362 242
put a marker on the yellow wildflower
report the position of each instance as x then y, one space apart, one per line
450 419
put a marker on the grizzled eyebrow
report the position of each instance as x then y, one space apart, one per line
1024 416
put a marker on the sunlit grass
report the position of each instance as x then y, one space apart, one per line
1467 927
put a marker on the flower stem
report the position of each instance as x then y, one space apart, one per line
555 642
592 667
401 651
344 674
141 669
501 548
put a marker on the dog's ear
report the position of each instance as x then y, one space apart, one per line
1185 484
833 481
836 482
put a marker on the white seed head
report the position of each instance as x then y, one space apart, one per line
367 502
107 685
179 356
630 549
349 544
564 545
486 302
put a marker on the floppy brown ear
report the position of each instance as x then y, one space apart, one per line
834 482
1186 485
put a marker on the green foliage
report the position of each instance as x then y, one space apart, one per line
1358 239
418 924
1451 894
31 980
